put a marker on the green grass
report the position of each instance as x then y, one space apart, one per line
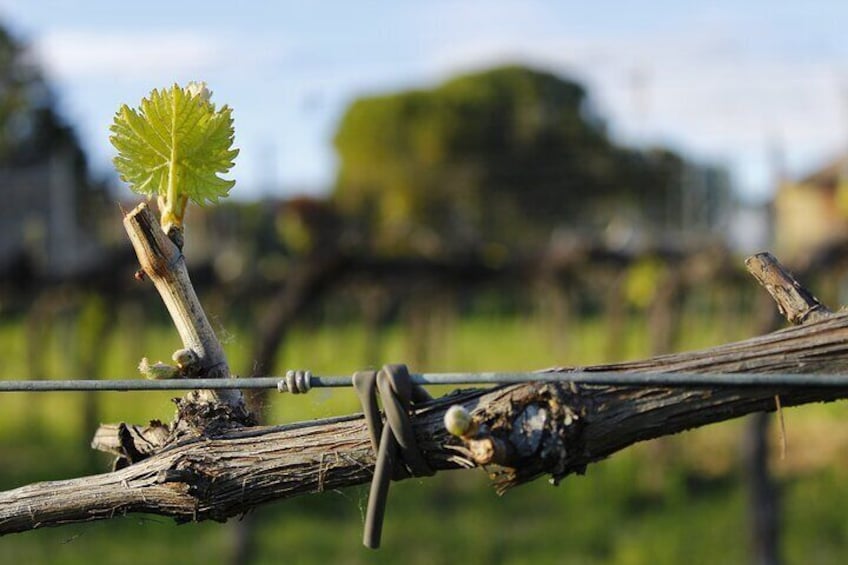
675 501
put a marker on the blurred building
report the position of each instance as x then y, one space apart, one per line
812 212
49 219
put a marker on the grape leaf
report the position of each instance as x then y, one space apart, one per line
175 146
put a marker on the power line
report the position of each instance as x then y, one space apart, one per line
494 378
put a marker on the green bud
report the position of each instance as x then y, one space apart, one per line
156 371
185 358
458 421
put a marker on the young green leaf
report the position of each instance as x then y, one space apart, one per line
174 147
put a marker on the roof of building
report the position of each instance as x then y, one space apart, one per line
829 174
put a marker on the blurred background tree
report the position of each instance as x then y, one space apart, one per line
51 219
502 156
30 126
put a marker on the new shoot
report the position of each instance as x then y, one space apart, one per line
174 147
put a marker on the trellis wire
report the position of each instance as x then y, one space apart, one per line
495 378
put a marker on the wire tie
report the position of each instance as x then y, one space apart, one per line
397 452
296 382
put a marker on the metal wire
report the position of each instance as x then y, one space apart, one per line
583 377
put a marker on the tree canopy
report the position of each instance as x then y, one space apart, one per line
506 156
30 128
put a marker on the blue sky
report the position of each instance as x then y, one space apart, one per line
732 82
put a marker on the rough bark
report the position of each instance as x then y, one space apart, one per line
794 301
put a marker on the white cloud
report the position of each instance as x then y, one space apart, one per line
85 54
